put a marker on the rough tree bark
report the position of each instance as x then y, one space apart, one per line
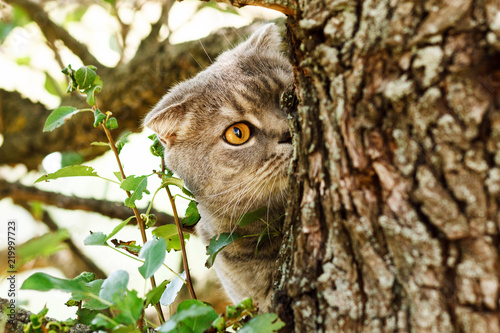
393 224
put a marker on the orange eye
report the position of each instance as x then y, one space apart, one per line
237 134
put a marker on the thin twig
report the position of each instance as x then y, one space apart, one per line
156 27
136 213
57 55
181 238
124 29
21 193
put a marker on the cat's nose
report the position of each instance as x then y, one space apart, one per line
285 138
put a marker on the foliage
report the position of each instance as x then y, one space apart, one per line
39 324
42 246
216 245
108 304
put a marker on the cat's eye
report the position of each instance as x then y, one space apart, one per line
237 134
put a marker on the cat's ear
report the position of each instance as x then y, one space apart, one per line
165 120
265 38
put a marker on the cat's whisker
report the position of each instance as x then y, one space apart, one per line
225 37
245 187
239 35
205 50
192 56
270 196
250 202
264 182
238 184
256 187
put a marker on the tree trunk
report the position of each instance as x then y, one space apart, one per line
393 223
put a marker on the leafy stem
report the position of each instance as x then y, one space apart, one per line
140 221
139 260
152 200
181 236
109 180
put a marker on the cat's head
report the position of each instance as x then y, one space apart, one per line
223 130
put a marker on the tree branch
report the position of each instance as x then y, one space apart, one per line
129 92
287 7
21 193
155 28
53 31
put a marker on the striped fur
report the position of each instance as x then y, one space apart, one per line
243 85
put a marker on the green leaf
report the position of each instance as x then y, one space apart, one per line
103 321
69 158
71 171
118 175
192 316
76 15
263 323
172 181
246 304
167 179
235 311
85 277
91 92
136 186
95 238
99 117
251 217
68 70
129 308
23 61
20 16
217 243
115 286
85 77
111 123
42 246
154 295
129 246
86 315
192 215
119 227
91 303
264 234
45 282
72 86
156 148
98 143
122 140
58 117
173 288
219 324
187 192
170 235
149 220
52 86
154 253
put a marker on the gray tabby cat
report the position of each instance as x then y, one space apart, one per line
225 135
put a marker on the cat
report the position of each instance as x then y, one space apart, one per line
225 134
